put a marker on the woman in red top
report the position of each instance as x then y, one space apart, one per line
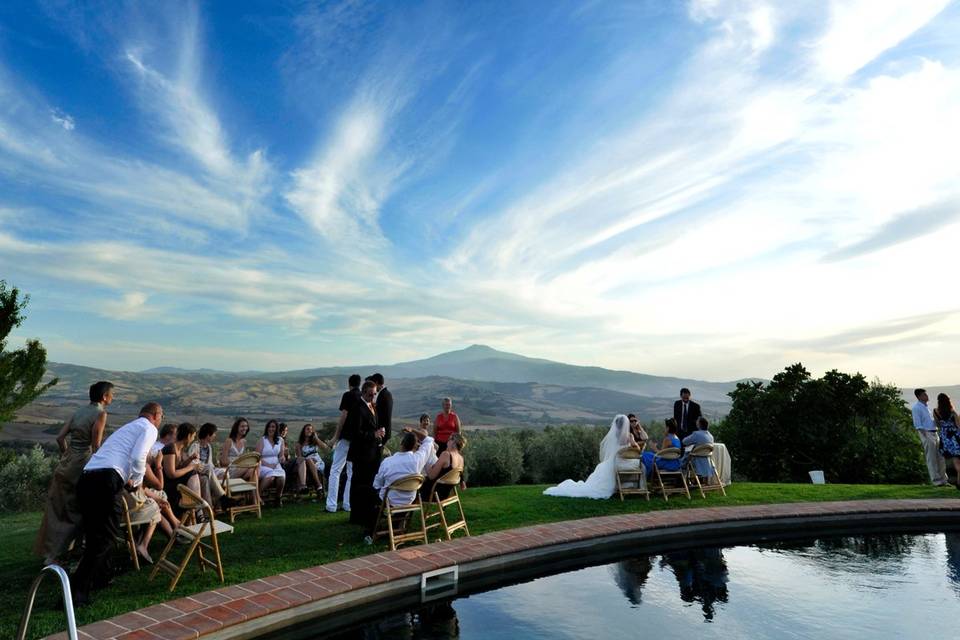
447 423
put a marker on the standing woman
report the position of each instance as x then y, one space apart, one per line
447 422
61 519
270 449
179 467
949 427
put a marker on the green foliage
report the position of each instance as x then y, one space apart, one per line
569 451
24 480
853 430
21 371
493 458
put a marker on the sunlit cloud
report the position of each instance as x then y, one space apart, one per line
713 189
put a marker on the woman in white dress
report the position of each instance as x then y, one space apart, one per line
270 449
603 481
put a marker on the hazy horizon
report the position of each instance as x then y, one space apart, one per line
711 189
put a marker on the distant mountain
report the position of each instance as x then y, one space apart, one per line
482 363
489 387
198 397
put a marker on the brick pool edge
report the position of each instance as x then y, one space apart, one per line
351 589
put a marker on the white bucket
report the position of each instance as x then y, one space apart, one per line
816 477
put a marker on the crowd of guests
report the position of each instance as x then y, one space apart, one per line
144 461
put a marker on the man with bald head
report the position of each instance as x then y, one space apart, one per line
119 463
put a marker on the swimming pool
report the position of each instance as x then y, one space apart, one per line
876 585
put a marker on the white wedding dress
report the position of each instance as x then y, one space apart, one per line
602 483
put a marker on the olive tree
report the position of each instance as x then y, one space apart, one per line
21 370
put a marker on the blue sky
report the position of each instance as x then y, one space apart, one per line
710 188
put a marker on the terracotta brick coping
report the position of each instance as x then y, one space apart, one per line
247 609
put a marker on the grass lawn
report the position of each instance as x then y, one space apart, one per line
303 535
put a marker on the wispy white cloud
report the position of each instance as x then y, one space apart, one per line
62 119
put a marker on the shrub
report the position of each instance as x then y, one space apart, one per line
493 459
569 451
853 430
24 481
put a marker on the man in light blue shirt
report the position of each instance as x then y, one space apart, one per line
927 430
701 436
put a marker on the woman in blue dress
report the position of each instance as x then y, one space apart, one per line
669 440
949 428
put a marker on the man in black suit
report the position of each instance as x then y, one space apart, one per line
365 451
384 405
686 412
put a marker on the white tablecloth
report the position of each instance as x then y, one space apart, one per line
721 458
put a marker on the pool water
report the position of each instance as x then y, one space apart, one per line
875 586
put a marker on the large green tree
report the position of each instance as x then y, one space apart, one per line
855 431
21 371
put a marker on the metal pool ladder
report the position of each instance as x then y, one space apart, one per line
67 601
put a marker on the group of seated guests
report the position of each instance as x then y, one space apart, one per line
184 454
671 440
419 454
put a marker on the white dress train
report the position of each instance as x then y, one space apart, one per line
602 483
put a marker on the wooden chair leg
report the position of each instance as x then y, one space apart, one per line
423 522
132 545
443 519
463 516
393 543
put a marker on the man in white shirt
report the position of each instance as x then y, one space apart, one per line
119 463
415 449
927 430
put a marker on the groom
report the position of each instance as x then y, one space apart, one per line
366 448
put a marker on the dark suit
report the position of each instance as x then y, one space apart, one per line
687 423
384 408
364 453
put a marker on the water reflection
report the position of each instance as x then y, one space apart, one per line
701 575
953 560
631 575
435 622
881 586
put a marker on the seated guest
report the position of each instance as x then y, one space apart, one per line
636 430
289 463
120 463
211 482
432 454
670 440
270 449
308 458
142 507
179 467
167 434
410 460
701 436
153 488
450 459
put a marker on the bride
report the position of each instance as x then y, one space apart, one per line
602 482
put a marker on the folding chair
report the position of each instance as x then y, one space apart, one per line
240 488
452 480
631 481
192 533
704 453
407 483
670 453
130 520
